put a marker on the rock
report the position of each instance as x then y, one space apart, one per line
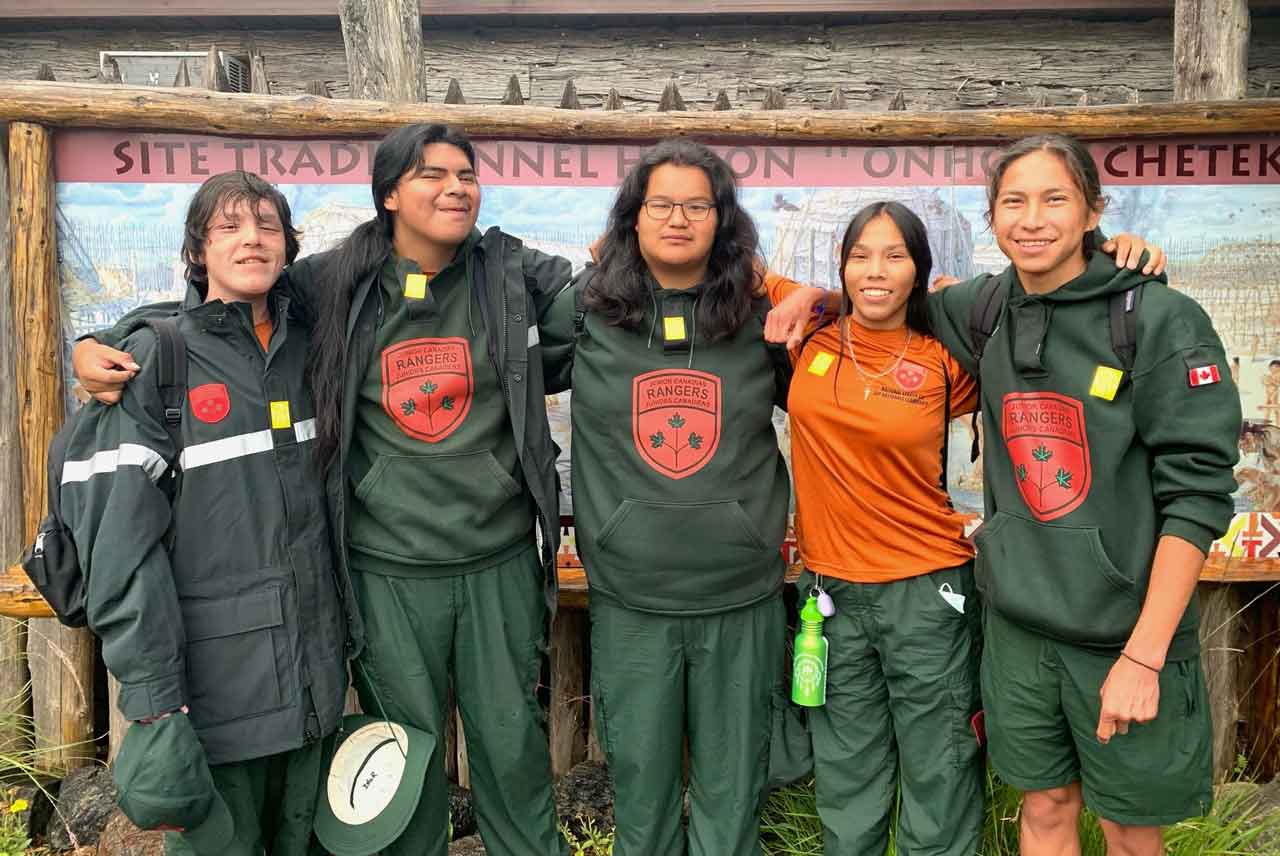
85 803
469 846
585 793
462 813
40 800
122 838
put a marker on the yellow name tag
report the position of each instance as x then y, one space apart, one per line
673 328
280 414
1106 382
415 286
821 363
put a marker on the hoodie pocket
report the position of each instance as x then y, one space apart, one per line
1057 580
436 508
680 538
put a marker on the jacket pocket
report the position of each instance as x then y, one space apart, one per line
234 646
437 508
682 538
1057 580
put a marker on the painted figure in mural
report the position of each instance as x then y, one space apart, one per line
680 501
870 407
432 432
223 613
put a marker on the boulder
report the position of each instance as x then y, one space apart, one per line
469 846
86 801
122 838
462 813
585 793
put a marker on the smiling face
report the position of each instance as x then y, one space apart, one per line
435 204
879 275
1040 218
677 248
243 252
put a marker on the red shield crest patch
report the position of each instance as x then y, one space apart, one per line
427 386
1048 447
910 376
675 419
210 402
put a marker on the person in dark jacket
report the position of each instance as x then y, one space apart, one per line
220 605
432 435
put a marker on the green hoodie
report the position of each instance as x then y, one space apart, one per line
1081 477
680 493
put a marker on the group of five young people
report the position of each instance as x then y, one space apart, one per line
432 347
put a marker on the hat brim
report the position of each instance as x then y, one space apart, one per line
346 839
212 837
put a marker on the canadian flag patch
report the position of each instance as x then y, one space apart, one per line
1203 376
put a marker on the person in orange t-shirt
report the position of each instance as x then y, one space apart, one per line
870 402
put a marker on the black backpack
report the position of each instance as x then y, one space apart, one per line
1122 312
52 561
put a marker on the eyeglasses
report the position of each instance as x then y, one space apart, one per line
661 209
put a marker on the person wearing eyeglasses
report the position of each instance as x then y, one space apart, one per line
680 501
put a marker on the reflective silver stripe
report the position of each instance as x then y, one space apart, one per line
533 335
127 455
226 449
305 430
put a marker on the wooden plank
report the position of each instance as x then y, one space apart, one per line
1260 687
449 8
383 40
14 696
173 110
116 722
60 658
566 720
1210 49
1220 657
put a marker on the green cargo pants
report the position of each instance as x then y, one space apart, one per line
272 801
487 628
902 688
656 679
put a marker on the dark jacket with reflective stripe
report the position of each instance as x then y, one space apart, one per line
516 286
228 600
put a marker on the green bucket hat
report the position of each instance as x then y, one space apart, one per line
162 779
374 784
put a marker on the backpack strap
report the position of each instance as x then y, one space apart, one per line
1122 311
984 315
171 374
580 306
946 426
779 359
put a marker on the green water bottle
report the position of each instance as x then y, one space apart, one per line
809 667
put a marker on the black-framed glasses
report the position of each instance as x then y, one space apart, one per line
661 209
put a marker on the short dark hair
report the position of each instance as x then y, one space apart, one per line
619 291
1075 156
218 194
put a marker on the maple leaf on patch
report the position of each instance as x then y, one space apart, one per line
1022 472
676 421
447 402
409 406
656 440
428 388
1063 478
695 440
1041 453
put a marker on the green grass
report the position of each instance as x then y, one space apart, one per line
1236 827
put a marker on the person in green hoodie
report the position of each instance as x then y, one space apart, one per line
680 502
1104 487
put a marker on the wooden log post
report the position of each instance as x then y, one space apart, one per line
567 721
454 94
258 80
671 99
1210 49
215 76
182 77
15 700
722 101
61 658
569 99
513 96
383 39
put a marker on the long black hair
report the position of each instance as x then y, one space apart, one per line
619 292
361 254
1075 156
916 238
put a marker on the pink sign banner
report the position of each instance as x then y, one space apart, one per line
113 156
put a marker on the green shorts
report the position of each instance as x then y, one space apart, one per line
1042 700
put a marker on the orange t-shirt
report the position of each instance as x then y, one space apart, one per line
866 452
263 331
